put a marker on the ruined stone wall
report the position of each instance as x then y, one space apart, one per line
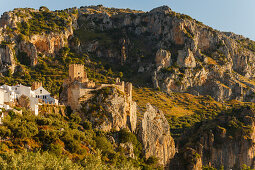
52 109
73 94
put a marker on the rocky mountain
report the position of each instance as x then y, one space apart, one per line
167 51
180 53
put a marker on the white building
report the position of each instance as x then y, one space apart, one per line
9 94
44 95
1 116
23 90
2 92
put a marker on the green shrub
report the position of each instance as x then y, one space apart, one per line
87 125
103 144
30 160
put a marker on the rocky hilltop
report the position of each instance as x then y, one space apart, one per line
180 53
167 51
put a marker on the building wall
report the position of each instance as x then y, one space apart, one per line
1 117
77 71
33 102
2 93
44 95
73 96
22 90
41 91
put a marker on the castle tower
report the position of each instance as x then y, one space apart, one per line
36 85
76 72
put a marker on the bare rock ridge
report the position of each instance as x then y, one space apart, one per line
114 107
200 56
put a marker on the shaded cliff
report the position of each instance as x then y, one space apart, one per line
226 141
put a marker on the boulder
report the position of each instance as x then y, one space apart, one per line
162 9
186 58
163 58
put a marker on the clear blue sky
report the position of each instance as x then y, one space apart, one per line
226 15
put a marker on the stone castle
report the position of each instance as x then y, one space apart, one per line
79 87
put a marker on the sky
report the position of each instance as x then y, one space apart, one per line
236 16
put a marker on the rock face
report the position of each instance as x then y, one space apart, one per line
190 57
220 142
28 47
163 58
231 153
154 132
115 110
7 58
186 58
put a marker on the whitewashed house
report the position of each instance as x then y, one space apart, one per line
2 92
20 90
9 94
1 117
41 93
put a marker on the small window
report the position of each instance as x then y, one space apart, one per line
40 91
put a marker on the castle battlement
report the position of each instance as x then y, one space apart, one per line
80 86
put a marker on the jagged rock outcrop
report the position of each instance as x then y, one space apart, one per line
230 151
200 56
163 58
129 149
186 58
7 60
154 133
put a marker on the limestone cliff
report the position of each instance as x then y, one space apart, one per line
154 132
108 109
26 34
225 142
173 51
